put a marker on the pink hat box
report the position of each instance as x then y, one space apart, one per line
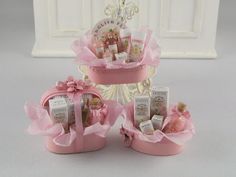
158 144
78 139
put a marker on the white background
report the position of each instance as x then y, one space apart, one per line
207 86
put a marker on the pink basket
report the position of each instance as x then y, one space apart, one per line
101 75
78 139
86 144
117 72
163 148
159 143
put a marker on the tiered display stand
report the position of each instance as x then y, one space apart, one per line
121 88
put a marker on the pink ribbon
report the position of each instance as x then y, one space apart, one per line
72 86
127 136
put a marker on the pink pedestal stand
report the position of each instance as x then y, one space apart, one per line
100 75
89 143
163 148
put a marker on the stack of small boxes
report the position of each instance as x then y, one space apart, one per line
150 112
61 110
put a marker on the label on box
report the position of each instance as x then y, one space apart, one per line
146 127
159 101
157 122
58 110
141 109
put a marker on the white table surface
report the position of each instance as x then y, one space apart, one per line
208 86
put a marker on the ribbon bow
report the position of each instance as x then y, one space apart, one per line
72 86
127 136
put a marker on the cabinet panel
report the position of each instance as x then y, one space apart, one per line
181 18
184 28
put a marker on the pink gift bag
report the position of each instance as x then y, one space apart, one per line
159 143
77 138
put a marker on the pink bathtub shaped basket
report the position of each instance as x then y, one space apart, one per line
78 139
159 143
117 72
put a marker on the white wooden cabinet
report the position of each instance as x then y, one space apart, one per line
184 28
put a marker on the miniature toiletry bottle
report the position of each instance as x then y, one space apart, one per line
96 103
71 111
108 56
85 113
177 124
114 50
125 38
99 49
111 42
137 45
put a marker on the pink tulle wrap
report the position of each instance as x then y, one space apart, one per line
179 138
85 56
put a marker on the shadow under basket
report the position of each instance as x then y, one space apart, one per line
163 148
101 75
89 143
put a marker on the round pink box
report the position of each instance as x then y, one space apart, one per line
162 148
90 143
159 143
101 75
78 138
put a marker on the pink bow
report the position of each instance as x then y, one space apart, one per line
72 86
127 136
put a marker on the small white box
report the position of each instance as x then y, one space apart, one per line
141 109
157 122
146 127
121 56
58 110
159 101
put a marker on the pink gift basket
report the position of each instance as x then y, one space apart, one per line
162 142
77 137
101 71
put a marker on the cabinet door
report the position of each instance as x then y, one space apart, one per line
184 28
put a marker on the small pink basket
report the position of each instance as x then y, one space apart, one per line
159 143
78 139
116 72
101 75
